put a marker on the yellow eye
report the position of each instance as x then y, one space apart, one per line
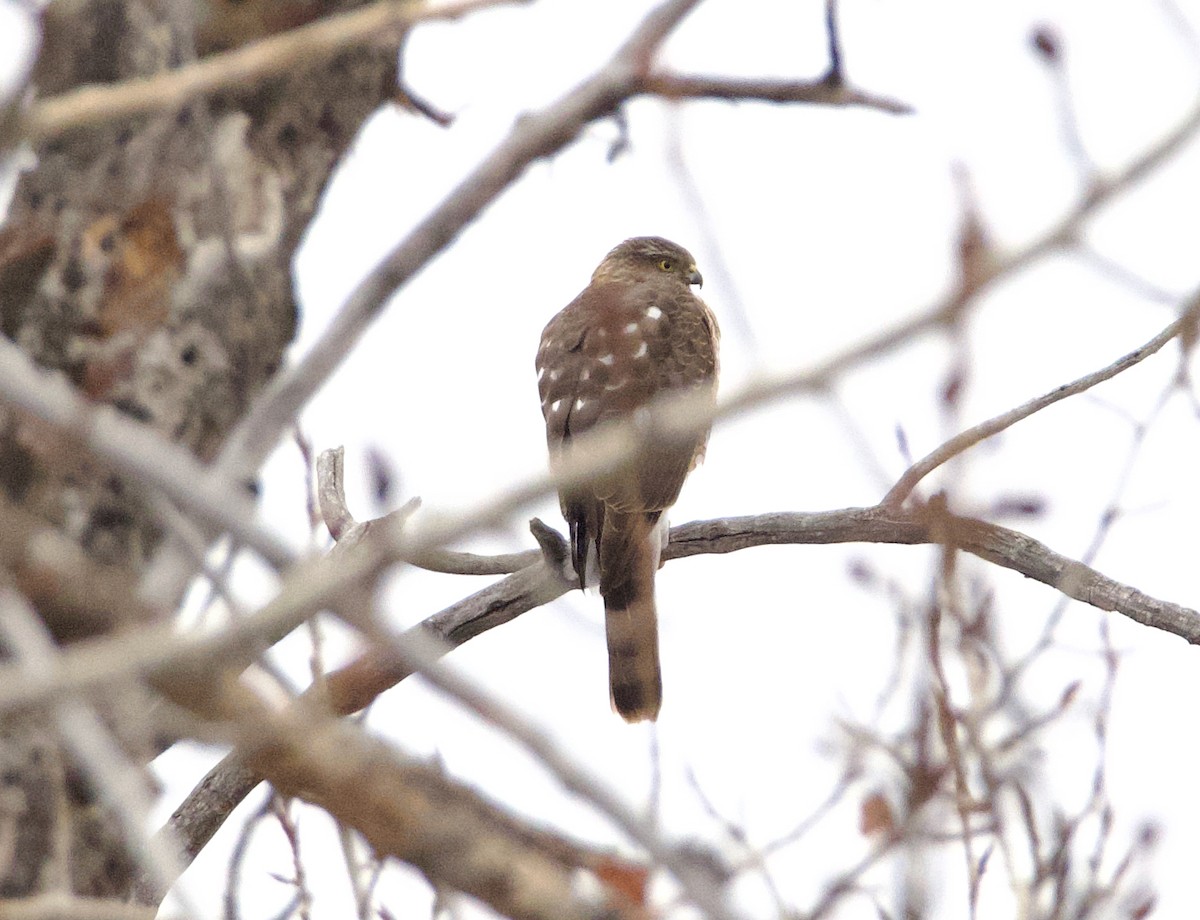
666 264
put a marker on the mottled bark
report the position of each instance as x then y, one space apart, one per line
149 261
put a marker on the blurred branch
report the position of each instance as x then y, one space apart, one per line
353 687
419 650
323 583
98 754
406 808
135 449
836 74
533 137
75 596
1114 271
61 906
1108 518
1181 27
1048 44
245 66
702 876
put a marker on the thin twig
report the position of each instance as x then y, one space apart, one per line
1103 529
759 89
331 493
836 74
938 314
984 430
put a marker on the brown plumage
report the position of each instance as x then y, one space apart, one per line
634 332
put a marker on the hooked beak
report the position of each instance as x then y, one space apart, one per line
694 277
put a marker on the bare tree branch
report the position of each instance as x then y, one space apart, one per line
331 494
742 89
67 907
702 879
159 654
406 808
377 22
984 430
354 686
990 270
419 650
136 449
190 667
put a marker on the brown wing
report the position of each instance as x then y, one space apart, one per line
591 364
689 361
574 376
611 351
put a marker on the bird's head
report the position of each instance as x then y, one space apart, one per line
644 257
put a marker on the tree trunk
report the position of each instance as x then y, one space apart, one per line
148 261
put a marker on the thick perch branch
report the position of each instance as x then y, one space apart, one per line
159 654
323 583
354 686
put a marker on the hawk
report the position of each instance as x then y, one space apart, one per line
635 332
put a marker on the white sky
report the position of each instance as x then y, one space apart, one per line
829 224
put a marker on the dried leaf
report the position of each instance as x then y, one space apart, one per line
628 880
1046 44
876 816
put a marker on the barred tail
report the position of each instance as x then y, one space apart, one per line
629 553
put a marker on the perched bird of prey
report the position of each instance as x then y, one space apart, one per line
635 332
